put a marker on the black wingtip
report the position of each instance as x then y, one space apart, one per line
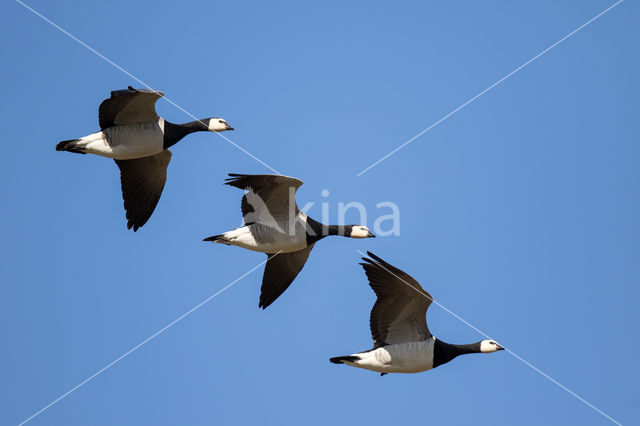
233 177
375 260
368 262
373 256
368 265
135 227
264 304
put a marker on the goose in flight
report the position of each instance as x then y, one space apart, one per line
273 224
402 342
138 140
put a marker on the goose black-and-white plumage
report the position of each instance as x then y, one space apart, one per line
273 224
402 342
138 140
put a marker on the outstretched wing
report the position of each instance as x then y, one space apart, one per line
399 314
268 197
142 181
129 106
281 270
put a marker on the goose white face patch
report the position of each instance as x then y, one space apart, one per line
217 125
487 346
360 232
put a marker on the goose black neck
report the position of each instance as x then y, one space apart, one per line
342 230
444 352
317 231
173 133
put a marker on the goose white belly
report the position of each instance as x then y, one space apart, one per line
410 357
125 141
267 239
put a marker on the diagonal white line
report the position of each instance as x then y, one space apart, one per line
139 345
527 363
101 56
490 87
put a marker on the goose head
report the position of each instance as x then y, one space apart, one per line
217 124
487 346
359 231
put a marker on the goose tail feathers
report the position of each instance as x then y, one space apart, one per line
342 359
70 146
217 239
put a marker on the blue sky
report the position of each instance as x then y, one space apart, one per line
519 213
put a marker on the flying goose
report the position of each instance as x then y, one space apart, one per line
138 140
402 342
273 224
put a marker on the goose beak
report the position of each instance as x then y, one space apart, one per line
229 128
370 235
500 348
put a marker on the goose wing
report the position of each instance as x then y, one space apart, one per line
129 106
281 270
268 197
399 314
142 181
